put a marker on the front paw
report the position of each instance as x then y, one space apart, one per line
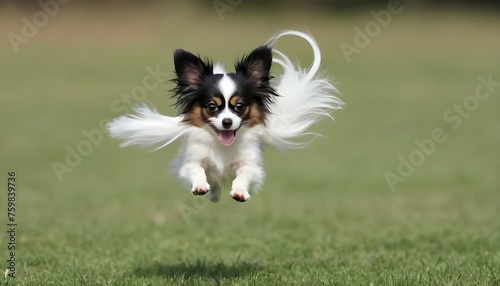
200 189
240 195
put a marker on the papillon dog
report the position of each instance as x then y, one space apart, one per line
225 118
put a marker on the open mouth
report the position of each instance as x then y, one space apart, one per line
226 137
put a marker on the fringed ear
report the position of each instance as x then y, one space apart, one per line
190 70
256 66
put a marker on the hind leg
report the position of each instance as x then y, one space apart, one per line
214 194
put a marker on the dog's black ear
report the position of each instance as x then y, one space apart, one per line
190 69
256 65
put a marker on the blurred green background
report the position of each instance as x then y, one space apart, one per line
91 213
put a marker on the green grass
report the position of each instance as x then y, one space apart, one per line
325 216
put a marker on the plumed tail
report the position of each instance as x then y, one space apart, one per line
305 96
146 128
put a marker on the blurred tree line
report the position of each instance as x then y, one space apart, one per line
333 4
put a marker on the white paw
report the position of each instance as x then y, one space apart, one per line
240 195
200 189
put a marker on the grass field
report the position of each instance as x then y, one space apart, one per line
326 214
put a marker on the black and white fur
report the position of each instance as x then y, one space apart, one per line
226 117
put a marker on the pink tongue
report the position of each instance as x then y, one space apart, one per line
226 137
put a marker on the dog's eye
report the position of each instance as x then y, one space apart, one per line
239 107
212 108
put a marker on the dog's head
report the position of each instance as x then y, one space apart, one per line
224 101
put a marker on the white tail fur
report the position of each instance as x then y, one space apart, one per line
146 128
305 97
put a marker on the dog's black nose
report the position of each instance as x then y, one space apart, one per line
227 122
